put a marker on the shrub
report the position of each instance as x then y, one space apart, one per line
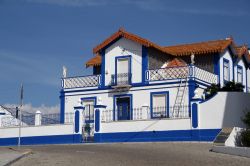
245 134
232 86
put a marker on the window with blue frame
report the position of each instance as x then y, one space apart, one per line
239 74
226 70
159 104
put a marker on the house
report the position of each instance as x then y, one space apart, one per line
146 90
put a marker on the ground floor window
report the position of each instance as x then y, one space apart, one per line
159 104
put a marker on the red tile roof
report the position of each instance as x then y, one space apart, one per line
200 48
122 33
95 61
208 47
176 62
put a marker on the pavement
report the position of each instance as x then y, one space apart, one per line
9 155
122 154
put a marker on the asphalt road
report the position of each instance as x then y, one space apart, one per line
134 154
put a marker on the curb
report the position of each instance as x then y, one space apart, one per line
238 151
18 158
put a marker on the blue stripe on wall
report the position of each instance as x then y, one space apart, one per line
62 106
151 136
35 140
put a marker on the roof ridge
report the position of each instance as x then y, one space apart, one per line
202 42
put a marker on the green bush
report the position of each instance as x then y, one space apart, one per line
245 138
245 134
229 87
232 87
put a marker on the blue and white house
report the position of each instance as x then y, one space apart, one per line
140 91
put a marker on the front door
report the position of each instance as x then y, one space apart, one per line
123 108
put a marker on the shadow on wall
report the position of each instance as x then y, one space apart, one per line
235 105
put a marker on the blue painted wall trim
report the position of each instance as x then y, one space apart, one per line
103 69
100 106
144 63
131 104
35 140
77 121
194 115
191 89
217 66
97 120
62 106
150 136
167 102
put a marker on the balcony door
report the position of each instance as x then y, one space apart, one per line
123 71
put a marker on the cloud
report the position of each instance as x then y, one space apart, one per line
31 109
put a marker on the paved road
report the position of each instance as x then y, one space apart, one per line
173 154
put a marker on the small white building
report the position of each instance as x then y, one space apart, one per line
146 91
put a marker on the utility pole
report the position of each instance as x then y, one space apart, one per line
20 116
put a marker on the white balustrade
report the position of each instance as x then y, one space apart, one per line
81 82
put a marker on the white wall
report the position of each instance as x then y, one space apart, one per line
226 55
66 129
149 125
117 49
223 110
141 96
240 63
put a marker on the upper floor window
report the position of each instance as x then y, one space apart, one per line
239 74
226 70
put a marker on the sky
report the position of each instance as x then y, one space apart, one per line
38 37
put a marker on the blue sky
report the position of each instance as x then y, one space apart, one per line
38 37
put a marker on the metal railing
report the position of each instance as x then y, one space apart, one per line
81 82
121 79
148 113
28 119
181 72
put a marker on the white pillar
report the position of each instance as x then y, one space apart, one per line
145 111
38 118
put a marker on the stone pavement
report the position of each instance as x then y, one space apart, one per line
123 154
9 155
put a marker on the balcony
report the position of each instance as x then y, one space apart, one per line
171 73
121 80
81 82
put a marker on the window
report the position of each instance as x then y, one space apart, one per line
239 74
159 105
226 70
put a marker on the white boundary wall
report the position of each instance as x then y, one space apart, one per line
31 131
223 110
148 125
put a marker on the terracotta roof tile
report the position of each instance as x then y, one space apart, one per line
95 61
207 47
130 36
176 62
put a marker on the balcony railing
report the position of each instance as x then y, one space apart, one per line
146 114
81 82
121 79
181 72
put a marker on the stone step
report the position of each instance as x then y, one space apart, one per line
222 136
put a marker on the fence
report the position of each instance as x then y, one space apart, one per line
146 113
121 79
181 72
29 119
167 73
81 82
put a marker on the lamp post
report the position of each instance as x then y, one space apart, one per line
20 118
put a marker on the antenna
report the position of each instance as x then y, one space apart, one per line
20 114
